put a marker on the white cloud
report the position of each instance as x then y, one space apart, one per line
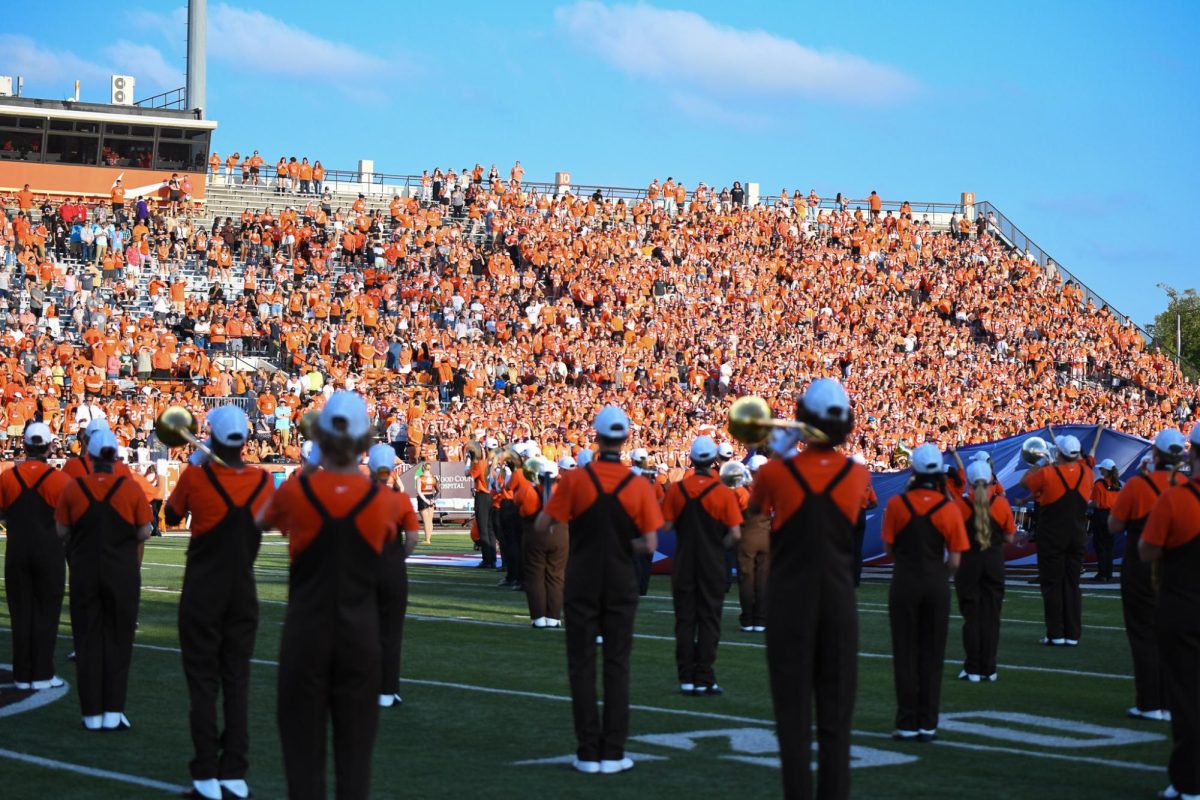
256 41
264 45
52 73
146 63
703 109
684 47
40 66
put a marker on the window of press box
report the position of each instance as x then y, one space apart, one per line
20 145
182 155
72 149
79 126
121 152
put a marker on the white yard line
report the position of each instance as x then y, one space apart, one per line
91 772
1115 763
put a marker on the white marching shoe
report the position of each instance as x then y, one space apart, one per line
115 721
22 686
540 622
586 767
387 700
1154 715
209 789
94 722
615 766
53 683
237 788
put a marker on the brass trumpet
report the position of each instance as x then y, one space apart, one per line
750 422
177 426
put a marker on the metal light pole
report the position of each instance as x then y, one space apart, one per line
197 34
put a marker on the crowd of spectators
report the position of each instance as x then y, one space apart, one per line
479 306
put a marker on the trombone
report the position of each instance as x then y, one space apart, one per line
751 423
176 426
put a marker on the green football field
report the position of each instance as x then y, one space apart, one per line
486 710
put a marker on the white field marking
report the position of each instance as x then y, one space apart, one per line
637 758
1005 620
1119 764
91 772
759 746
36 700
1085 734
726 643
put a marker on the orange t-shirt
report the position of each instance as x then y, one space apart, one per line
291 513
80 466
195 493
406 517
479 471
721 503
946 519
775 489
1046 488
576 493
1137 498
129 502
1175 520
31 472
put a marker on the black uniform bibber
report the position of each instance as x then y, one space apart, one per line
34 579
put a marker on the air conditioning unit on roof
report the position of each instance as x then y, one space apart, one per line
122 90
6 83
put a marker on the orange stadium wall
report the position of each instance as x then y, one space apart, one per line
67 179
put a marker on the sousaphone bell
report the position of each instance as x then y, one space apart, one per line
751 423
176 426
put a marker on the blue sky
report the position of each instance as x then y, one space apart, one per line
1077 120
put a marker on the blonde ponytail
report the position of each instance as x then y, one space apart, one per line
983 515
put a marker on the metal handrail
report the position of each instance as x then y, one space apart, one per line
1008 231
175 98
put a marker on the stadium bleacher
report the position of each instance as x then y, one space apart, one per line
535 304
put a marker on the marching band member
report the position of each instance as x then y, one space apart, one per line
870 501
979 581
545 554
1129 513
812 619
34 570
477 470
1104 493
218 609
919 526
1172 535
103 516
1061 491
707 521
753 559
392 593
640 460
337 521
612 514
